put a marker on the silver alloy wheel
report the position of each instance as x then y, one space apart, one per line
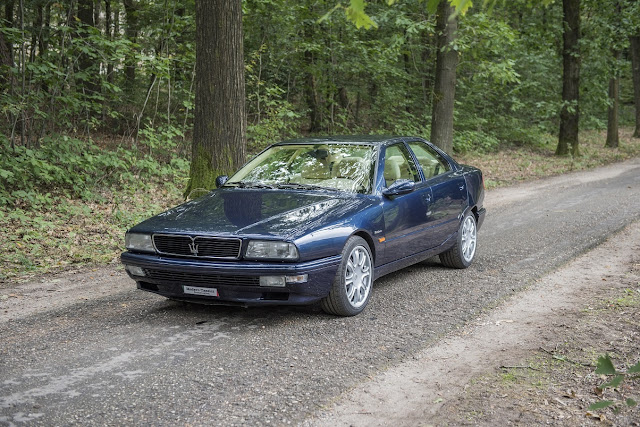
469 238
357 276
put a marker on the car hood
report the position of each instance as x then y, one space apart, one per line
233 211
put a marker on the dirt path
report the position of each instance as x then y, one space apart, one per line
440 386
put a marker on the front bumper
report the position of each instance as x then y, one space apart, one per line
236 282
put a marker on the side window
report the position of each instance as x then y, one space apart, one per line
398 164
431 162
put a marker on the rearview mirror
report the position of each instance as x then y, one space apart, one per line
221 180
399 186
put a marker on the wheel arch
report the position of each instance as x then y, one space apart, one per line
367 238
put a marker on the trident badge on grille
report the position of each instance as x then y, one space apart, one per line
193 248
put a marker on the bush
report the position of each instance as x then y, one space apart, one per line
69 167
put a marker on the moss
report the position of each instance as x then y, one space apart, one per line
202 177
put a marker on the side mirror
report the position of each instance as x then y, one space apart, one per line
221 180
399 187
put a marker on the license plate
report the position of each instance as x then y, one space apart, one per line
194 290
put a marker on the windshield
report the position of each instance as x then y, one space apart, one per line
344 167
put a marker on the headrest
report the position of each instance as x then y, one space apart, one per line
349 167
316 170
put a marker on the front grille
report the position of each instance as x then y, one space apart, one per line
197 247
204 279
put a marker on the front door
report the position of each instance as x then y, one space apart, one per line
405 216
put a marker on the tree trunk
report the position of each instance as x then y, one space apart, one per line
311 86
8 12
108 24
219 132
85 16
6 60
635 66
570 113
131 32
445 80
36 32
612 118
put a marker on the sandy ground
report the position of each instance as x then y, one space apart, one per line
50 291
430 388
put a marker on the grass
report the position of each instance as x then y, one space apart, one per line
72 232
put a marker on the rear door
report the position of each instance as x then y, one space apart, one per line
448 191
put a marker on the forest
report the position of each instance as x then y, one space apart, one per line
98 97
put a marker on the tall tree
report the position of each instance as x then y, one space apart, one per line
85 62
445 78
635 67
6 60
613 139
570 113
219 133
131 31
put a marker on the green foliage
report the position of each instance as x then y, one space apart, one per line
308 62
474 141
69 167
605 367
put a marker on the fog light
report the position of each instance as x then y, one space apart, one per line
134 270
272 281
300 278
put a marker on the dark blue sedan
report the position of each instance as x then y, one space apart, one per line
310 220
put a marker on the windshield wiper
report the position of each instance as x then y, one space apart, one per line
249 184
300 186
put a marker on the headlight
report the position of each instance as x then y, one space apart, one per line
265 249
138 242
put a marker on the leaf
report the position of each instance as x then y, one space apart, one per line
461 6
635 369
5 174
432 6
601 405
615 382
605 366
356 14
630 402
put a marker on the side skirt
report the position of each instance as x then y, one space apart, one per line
399 264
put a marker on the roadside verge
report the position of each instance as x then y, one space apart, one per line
587 308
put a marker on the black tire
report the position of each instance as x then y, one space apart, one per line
346 297
461 255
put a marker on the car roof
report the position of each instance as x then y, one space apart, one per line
352 139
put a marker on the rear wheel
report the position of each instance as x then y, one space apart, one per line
462 254
352 285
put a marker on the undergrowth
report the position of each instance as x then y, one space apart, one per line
70 202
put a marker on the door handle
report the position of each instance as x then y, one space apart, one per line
427 197
461 187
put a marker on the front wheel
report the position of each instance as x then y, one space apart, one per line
462 254
352 285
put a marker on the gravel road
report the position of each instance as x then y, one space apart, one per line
87 348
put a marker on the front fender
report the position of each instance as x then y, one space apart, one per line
330 240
